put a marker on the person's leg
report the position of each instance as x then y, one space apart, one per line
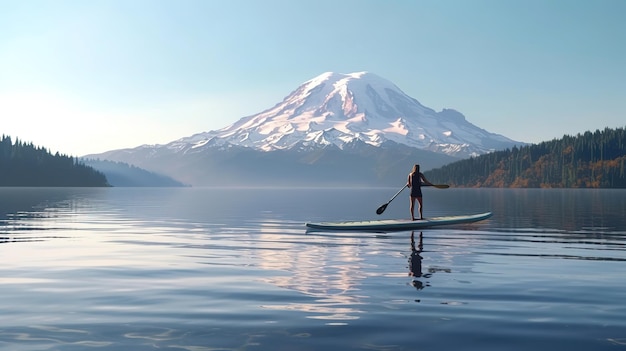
412 207
419 200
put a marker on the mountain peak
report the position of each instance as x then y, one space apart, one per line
349 80
334 76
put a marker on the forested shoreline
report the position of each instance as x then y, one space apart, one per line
23 164
589 160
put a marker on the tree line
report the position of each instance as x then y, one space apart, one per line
589 160
23 164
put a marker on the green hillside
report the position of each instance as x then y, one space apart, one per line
589 160
23 164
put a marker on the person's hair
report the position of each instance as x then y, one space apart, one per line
416 168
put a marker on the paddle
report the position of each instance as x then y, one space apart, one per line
383 207
438 186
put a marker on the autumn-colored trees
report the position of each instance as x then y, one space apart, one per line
589 160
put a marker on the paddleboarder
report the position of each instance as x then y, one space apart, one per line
414 182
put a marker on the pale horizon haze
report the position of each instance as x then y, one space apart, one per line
81 77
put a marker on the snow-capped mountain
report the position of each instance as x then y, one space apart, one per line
338 109
336 129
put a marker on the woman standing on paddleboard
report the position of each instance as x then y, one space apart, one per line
414 182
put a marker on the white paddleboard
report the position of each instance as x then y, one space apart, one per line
399 224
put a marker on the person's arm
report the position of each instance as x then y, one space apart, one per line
425 180
408 181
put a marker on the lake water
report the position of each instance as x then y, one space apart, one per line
235 269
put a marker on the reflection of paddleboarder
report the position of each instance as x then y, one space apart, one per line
415 260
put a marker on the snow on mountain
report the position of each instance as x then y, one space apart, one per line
337 109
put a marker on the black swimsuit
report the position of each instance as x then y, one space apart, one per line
416 185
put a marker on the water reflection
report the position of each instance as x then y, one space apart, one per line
20 201
415 260
39 214
327 275
415 264
561 209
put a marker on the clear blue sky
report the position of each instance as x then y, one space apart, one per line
83 77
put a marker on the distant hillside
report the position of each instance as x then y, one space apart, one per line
589 160
24 164
358 164
124 175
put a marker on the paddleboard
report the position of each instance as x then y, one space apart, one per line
399 224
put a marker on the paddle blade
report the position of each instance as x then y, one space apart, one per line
382 208
441 186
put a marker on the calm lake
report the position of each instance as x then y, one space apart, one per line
235 269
